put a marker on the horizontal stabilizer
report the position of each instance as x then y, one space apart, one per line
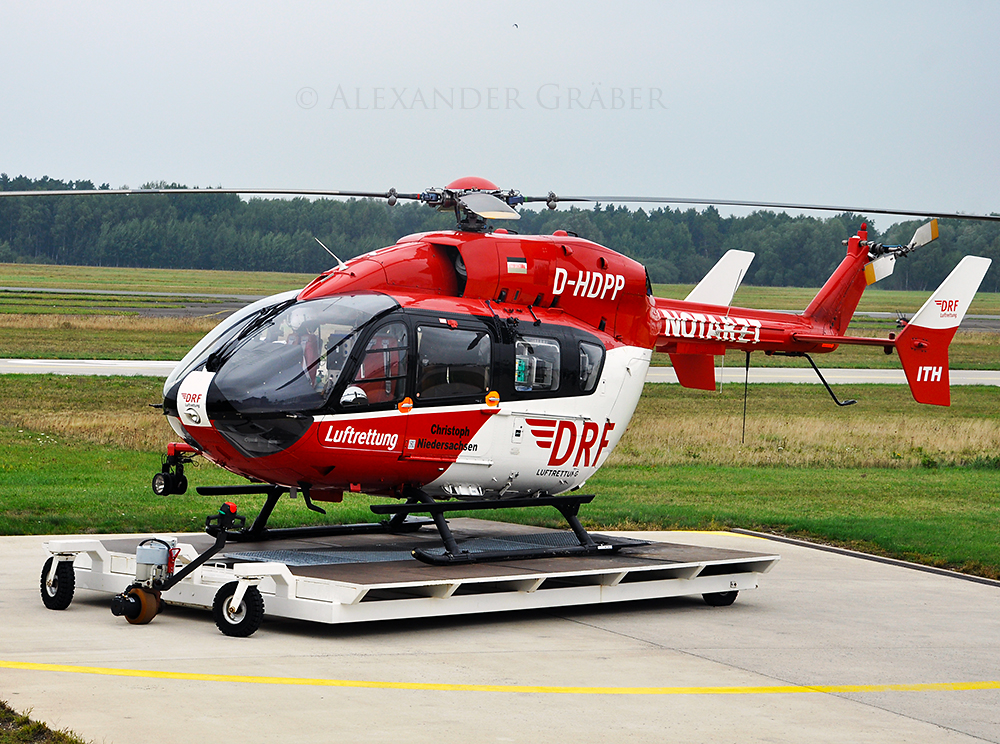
694 370
722 280
923 344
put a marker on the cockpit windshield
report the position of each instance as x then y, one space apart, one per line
222 333
290 361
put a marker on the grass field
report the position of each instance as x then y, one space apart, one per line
182 281
83 326
99 336
76 303
113 279
887 475
874 300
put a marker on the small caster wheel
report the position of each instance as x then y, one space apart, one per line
248 616
180 484
720 599
58 594
137 604
149 605
163 484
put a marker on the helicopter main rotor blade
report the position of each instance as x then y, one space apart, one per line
276 192
553 199
487 206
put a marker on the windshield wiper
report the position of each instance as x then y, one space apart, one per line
257 321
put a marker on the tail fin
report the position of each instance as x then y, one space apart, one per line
835 303
923 344
721 282
696 369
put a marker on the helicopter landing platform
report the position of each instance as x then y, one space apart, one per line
363 578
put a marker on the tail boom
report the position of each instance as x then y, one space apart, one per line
703 326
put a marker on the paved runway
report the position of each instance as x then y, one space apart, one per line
736 375
85 367
831 648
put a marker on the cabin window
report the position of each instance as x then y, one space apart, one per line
452 362
591 356
381 375
536 364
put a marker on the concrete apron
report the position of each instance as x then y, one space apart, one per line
831 648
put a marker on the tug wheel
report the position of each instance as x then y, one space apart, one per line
248 616
149 605
720 599
59 595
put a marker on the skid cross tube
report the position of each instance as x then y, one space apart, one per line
568 506
258 528
258 531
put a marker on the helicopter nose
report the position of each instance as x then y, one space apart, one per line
171 409
170 400
192 398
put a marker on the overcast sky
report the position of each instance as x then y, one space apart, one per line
893 104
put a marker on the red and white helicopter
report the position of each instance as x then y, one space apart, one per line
475 367
481 366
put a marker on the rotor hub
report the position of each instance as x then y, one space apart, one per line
469 183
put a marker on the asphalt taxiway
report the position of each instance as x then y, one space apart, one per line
830 648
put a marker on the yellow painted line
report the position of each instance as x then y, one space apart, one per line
725 533
441 687
720 532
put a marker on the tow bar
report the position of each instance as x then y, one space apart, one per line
154 569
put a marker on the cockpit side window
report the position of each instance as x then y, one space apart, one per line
381 373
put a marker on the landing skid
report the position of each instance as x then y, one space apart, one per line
568 506
402 521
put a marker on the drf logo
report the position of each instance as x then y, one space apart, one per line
565 439
949 307
929 374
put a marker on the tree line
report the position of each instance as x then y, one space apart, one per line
224 231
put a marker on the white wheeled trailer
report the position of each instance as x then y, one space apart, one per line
362 578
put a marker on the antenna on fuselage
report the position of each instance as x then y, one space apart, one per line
340 264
